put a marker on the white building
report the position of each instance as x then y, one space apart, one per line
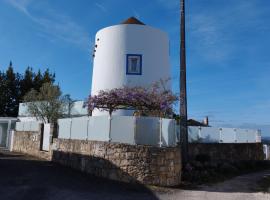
77 110
6 125
129 54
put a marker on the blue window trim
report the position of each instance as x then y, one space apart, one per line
140 73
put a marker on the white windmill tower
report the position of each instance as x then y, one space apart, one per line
129 54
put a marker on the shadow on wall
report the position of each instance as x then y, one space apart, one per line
3 155
28 178
96 166
227 151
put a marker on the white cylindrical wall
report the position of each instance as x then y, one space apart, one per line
112 46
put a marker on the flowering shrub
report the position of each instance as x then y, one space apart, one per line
145 100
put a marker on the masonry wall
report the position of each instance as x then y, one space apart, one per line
227 151
122 162
130 163
29 143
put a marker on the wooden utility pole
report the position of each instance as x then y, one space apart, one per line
183 87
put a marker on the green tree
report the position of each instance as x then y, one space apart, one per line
12 81
27 81
48 104
14 86
48 77
9 87
35 80
3 87
38 81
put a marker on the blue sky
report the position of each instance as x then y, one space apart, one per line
228 62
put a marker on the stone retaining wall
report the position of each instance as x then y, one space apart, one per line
29 143
122 162
130 163
227 151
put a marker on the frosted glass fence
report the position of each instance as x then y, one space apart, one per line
222 135
27 126
123 129
147 131
141 130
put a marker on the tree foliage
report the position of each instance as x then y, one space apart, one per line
13 87
155 100
48 104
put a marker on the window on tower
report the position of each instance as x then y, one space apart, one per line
134 64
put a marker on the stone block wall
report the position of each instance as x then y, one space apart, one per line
122 162
227 151
29 143
130 163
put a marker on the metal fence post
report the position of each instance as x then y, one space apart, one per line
199 132
235 140
160 132
87 127
220 136
110 127
175 132
135 130
70 128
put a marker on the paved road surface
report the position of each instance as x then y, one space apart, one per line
245 187
26 178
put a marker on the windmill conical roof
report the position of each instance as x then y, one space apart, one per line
132 20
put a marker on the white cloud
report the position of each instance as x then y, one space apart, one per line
56 25
101 7
214 31
210 36
21 5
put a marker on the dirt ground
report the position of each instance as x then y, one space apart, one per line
26 178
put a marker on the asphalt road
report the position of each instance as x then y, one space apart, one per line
26 178
252 186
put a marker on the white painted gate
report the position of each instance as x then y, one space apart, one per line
46 137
